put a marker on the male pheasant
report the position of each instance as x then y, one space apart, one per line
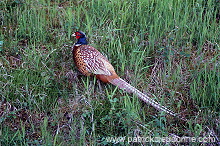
90 61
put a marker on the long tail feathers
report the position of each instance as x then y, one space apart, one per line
130 89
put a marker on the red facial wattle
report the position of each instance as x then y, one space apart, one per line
78 35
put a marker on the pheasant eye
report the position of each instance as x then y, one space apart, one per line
78 35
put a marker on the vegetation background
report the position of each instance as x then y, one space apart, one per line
168 49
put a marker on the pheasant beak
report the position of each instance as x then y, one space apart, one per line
73 35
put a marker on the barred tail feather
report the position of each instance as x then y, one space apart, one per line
130 89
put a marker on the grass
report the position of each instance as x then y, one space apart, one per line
168 49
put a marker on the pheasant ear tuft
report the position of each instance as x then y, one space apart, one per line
82 33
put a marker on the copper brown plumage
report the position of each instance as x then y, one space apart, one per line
90 61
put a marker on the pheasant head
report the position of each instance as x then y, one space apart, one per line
81 37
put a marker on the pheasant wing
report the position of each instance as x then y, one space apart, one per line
96 63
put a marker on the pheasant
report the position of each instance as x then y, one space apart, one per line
90 61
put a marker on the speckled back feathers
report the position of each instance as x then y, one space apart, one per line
91 61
